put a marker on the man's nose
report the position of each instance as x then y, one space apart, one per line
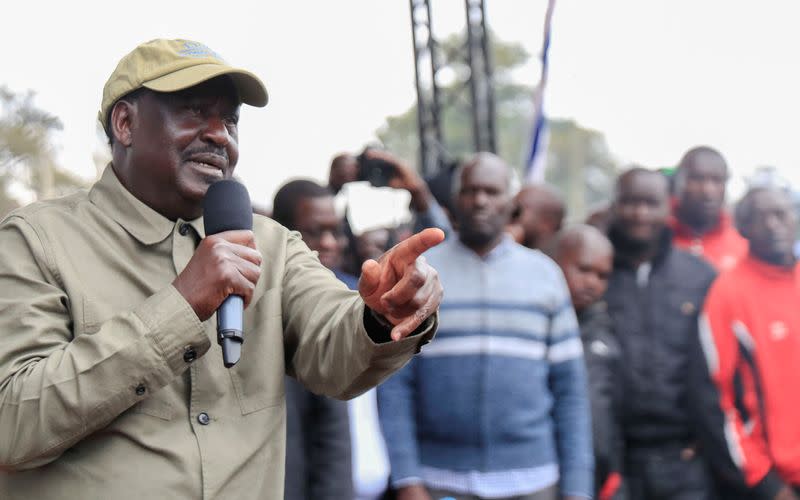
641 211
709 188
216 132
481 198
774 223
328 240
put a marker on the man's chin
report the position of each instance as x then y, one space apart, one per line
478 238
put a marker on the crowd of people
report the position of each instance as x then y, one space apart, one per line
486 348
643 354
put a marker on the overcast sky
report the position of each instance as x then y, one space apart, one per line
656 77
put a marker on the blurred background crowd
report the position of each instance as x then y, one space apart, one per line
609 330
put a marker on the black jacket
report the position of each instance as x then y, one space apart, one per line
318 457
603 356
655 319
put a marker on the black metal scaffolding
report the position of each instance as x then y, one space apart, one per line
427 63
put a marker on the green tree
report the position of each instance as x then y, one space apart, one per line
27 156
578 161
580 165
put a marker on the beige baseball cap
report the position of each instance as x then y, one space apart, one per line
172 65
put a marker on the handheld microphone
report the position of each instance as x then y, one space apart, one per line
226 207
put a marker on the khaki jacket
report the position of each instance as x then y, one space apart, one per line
110 386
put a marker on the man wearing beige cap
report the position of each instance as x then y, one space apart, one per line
110 384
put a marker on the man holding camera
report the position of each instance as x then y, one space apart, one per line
382 169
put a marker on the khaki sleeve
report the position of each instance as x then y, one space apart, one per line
327 345
56 389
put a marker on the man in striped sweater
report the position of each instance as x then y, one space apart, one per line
497 408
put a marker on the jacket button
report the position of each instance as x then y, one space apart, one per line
140 390
204 419
184 229
189 354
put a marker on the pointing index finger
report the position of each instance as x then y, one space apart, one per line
407 251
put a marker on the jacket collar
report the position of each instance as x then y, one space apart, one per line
725 223
771 271
138 219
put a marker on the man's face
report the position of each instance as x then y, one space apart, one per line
641 209
701 189
372 244
771 227
321 229
538 221
586 269
483 203
181 143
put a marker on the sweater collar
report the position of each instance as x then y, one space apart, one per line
502 248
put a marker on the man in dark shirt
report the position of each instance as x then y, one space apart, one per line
654 295
318 454
586 257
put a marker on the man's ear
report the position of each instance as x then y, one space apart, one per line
123 115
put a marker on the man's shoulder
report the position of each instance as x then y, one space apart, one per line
267 230
534 256
532 262
690 266
732 282
52 211
597 333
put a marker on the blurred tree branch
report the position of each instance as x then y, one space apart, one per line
27 155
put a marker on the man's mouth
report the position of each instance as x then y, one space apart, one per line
211 163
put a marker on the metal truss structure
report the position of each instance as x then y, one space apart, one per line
427 64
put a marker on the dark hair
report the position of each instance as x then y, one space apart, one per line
132 96
688 156
638 170
290 194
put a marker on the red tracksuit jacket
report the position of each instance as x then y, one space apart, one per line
723 246
750 334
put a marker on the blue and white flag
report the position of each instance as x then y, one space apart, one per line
540 136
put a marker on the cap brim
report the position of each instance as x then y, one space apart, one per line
251 90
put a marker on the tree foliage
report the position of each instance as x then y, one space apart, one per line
27 156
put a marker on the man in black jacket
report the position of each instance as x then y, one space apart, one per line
586 257
654 295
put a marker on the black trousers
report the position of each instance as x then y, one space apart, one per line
668 473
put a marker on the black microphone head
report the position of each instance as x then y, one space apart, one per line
226 207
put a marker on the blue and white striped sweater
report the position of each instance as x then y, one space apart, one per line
502 387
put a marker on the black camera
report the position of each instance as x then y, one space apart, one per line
378 172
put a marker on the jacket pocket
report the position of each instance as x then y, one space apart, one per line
258 376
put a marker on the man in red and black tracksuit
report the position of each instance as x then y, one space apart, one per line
699 221
750 334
